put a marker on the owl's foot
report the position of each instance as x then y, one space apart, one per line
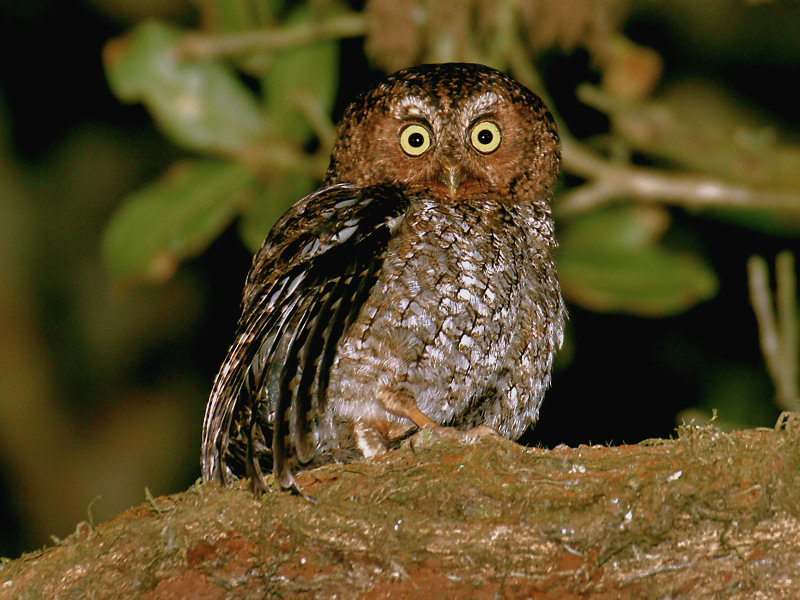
427 436
403 404
470 436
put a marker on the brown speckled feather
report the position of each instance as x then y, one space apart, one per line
303 289
418 279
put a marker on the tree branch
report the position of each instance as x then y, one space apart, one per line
349 24
609 181
661 519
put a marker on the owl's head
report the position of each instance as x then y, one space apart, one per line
461 128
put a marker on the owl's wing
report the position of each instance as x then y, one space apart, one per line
306 286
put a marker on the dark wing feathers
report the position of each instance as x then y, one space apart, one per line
308 404
306 286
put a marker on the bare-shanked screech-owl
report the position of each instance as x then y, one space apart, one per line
415 288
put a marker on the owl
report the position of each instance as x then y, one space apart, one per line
415 289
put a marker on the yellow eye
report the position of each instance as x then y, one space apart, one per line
415 139
485 137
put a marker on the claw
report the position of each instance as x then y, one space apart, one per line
470 436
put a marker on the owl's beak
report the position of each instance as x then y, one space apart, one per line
451 177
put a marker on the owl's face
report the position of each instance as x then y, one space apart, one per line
458 128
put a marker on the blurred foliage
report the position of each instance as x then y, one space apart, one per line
101 393
181 213
201 105
690 145
75 420
611 261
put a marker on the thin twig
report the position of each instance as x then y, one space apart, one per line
349 24
319 120
522 69
787 312
777 333
152 501
758 283
609 181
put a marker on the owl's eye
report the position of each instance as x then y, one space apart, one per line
485 137
415 139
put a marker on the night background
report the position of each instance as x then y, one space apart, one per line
105 369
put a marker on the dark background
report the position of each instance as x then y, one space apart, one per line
102 356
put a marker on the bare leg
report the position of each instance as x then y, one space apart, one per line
403 404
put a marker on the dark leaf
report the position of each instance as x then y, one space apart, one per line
201 105
611 261
174 218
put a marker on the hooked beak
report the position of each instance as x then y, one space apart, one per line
451 177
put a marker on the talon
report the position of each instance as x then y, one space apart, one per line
470 436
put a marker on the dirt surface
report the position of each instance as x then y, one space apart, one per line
706 515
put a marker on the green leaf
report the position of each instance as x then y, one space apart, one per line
772 221
174 218
270 203
301 79
201 104
611 261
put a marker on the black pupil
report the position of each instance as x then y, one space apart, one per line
416 139
485 136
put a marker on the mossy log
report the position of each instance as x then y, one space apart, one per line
706 515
